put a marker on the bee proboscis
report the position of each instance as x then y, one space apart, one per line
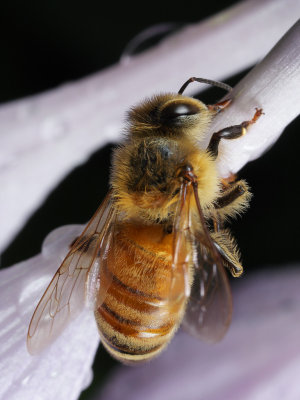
153 255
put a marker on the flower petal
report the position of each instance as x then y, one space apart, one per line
40 129
258 359
62 370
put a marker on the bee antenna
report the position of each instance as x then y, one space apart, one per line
208 81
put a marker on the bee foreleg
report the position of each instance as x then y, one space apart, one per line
220 106
231 132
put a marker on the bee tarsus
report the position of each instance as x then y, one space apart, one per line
231 132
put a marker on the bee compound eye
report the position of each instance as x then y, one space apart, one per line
175 110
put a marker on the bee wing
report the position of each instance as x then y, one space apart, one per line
209 309
181 243
65 296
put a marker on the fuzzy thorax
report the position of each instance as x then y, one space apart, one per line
162 136
152 200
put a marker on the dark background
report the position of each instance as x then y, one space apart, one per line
46 43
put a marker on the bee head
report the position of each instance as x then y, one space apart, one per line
170 115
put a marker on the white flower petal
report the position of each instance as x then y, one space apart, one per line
50 130
63 370
274 86
259 359
45 121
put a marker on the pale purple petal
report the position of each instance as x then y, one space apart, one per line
259 359
64 369
32 132
274 86
59 129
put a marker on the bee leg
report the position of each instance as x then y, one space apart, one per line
232 193
220 106
233 200
227 183
231 132
217 224
227 248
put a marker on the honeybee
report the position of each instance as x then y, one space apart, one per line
153 255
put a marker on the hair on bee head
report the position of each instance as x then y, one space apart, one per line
168 115
172 114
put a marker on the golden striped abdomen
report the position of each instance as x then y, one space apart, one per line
138 312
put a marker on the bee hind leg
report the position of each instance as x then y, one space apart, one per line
233 200
227 248
231 132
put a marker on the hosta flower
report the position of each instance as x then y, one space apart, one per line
64 369
259 359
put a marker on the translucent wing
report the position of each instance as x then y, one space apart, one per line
66 294
209 309
182 247
208 313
